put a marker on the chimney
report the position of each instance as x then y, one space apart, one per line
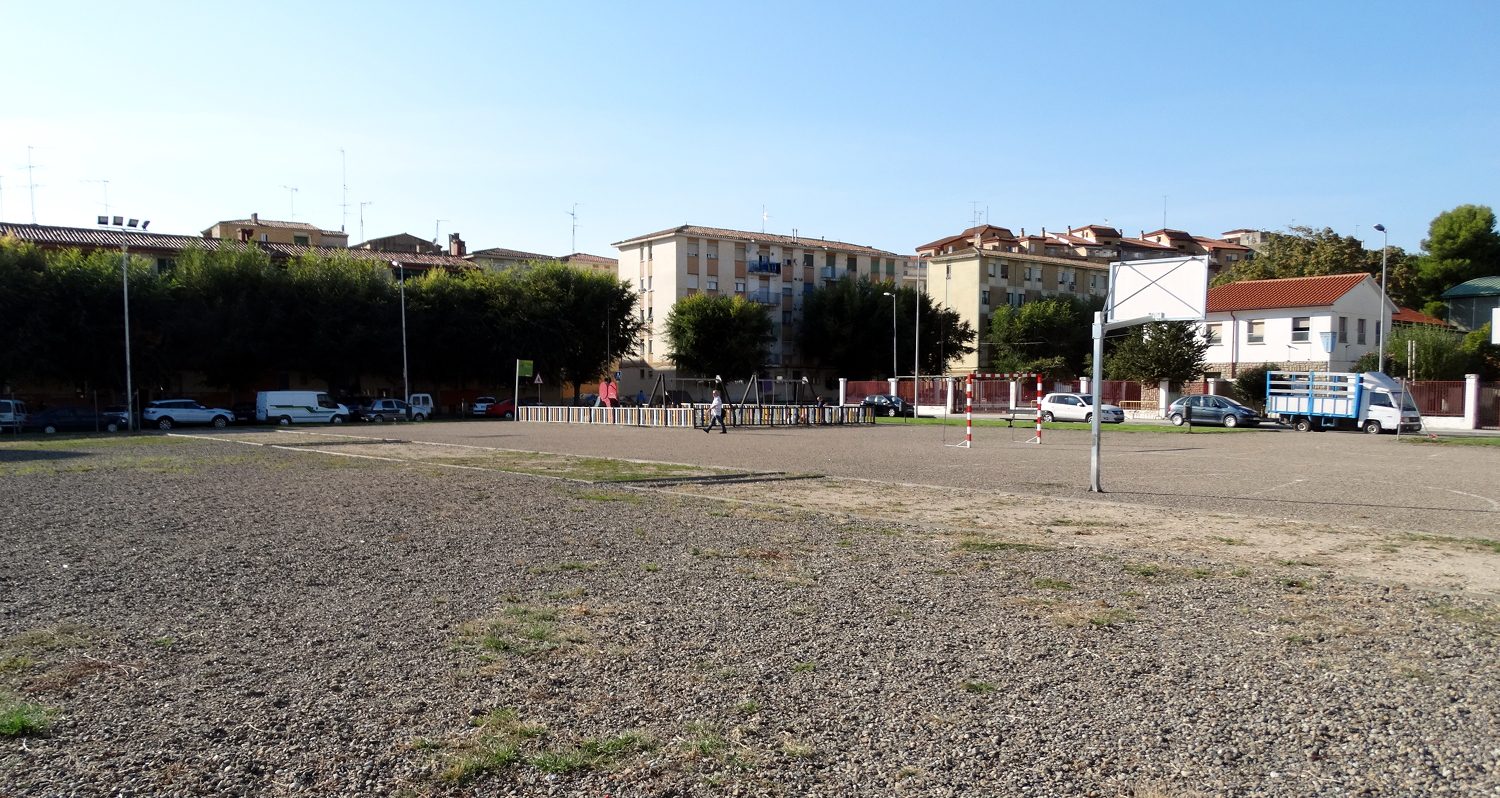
1023 232
456 247
255 218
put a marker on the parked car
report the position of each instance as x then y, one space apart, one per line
383 410
12 414
886 404
481 406
356 406
70 419
244 412
1212 410
421 406
169 413
119 413
295 407
505 408
1078 407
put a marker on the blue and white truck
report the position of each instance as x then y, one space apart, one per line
1316 400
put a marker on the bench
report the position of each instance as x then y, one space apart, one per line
1014 414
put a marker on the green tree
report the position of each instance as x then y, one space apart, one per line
23 270
1150 353
1050 336
1310 252
844 322
1250 384
1461 244
725 336
343 318
573 323
229 322
1442 353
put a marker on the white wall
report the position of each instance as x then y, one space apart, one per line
1361 302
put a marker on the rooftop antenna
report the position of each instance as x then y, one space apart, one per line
31 181
1164 211
344 177
362 220
437 228
974 212
763 217
105 181
574 213
292 192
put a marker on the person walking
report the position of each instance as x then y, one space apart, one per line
716 415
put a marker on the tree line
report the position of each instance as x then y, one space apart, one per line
238 318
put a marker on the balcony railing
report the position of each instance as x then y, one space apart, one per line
763 267
764 296
829 273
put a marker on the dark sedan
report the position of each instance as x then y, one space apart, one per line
886 404
72 419
1212 410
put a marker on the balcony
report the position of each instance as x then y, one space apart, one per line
829 273
763 266
764 296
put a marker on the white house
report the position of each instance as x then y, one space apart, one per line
1285 322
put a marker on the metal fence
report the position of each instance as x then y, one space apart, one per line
1438 397
698 416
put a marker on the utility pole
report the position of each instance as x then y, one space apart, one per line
292 192
362 220
574 213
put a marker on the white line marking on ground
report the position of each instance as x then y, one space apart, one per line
214 438
1268 490
1493 503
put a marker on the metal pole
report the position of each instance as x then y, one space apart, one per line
1385 247
405 377
1095 385
129 383
894 373
916 354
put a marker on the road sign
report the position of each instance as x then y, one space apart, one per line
538 379
523 368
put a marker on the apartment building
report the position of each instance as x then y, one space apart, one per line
774 270
270 231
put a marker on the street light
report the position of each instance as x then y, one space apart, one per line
892 295
124 227
1380 323
405 381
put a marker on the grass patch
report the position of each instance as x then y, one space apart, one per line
980 688
1481 544
1226 540
1147 570
748 707
982 545
592 754
651 567
1486 618
1453 440
607 496
505 741
1100 616
566 566
958 421
587 469
21 719
805 667
1051 584
797 749
522 630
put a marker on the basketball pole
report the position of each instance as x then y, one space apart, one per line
1097 390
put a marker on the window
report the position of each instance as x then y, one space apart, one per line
992 270
1255 331
1301 329
984 298
739 286
1213 334
786 290
852 263
713 285
1343 330
1359 331
692 281
1004 270
1378 399
807 260
830 260
649 313
300 241
786 317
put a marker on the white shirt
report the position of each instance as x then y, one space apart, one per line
718 406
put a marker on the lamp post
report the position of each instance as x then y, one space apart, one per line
125 226
405 379
1380 322
892 295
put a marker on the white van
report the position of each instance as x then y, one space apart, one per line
298 407
12 414
421 406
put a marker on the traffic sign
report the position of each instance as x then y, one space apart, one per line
538 379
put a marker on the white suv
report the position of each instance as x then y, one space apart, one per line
168 413
1078 407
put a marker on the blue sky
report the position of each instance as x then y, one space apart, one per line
876 123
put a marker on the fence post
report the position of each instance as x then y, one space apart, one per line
843 391
1471 401
1163 397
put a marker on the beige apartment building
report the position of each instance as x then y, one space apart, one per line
270 231
777 271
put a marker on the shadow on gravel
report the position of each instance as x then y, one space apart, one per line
33 455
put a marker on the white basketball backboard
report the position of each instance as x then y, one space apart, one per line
1172 289
1495 326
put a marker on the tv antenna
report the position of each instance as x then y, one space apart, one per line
344 177
362 220
574 213
763 217
974 216
31 181
105 183
292 193
437 228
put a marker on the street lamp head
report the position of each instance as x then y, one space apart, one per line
886 293
1380 227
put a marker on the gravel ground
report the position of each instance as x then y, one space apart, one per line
210 619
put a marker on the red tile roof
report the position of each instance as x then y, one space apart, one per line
1141 243
1214 243
1287 292
1409 316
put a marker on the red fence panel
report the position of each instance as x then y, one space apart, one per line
1489 405
1438 397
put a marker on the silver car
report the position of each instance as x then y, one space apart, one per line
1078 407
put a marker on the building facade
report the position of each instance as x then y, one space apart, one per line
1288 322
777 271
268 231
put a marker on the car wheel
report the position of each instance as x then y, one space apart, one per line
378 419
509 416
220 422
285 421
890 412
1176 419
1373 427
164 423
49 430
1231 421
338 419
111 427
1088 418
1047 416
419 417
1302 425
